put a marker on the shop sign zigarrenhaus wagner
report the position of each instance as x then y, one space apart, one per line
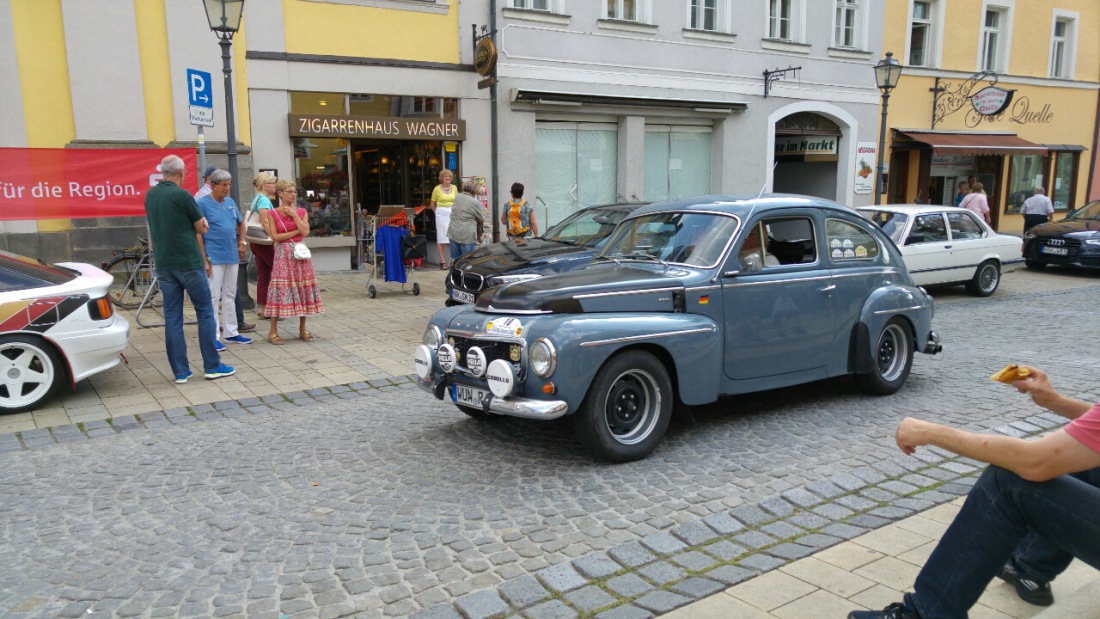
387 127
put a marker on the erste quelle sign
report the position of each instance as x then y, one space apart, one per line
387 127
991 100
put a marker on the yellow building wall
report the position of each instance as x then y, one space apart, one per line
347 30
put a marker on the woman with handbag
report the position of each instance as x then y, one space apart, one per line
261 248
293 290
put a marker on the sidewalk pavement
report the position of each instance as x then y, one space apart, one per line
874 570
361 340
357 339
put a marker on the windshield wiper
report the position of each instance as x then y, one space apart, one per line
611 258
644 256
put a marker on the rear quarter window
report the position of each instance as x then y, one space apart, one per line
847 242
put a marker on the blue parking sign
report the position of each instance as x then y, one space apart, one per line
200 92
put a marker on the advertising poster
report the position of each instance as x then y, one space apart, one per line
64 183
866 162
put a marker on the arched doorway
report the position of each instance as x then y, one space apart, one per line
806 155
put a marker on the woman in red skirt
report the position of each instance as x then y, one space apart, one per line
293 290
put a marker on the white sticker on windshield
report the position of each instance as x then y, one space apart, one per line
505 326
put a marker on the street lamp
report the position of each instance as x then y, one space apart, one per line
224 17
887 73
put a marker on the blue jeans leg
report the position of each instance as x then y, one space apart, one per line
174 342
459 249
198 290
999 512
1040 559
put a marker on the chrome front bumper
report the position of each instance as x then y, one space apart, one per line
511 407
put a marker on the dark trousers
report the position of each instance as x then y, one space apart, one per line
1030 221
1000 513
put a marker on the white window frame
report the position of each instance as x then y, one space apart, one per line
1003 32
550 6
796 20
1068 43
642 8
723 18
934 35
859 26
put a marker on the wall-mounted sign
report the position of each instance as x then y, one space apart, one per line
485 56
805 145
991 100
866 159
387 127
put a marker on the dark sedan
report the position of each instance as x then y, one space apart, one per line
1073 241
567 246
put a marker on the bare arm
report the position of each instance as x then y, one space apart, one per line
534 224
1037 384
201 226
1039 460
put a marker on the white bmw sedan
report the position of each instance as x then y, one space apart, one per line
57 326
947 245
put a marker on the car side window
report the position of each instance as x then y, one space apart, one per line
927 229
964 226
848 242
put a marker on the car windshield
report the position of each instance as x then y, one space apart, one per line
587 228
696 239
893 224
1088 211
21 273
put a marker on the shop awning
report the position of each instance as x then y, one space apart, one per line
1073 148
539 97
957 143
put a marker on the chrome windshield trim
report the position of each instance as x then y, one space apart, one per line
648 336
619 293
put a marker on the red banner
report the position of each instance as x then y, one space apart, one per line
63 183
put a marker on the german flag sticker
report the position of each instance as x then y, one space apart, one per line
703 300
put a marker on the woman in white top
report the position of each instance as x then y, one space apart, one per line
443 198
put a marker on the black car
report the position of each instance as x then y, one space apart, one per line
1073 241
567 246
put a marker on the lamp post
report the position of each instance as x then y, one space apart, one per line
224 17
887 72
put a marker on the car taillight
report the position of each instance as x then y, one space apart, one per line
101 308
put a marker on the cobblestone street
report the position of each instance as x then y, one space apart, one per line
376 500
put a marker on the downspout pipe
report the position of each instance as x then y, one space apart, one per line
495 184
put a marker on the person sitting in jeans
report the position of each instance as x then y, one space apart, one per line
1034 507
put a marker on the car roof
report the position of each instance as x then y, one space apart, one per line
743 205
618 206
912 209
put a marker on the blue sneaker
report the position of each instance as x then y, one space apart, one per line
218 346
221 371
239 339
182 378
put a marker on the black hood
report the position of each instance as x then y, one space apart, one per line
511 256
1065 227
599 288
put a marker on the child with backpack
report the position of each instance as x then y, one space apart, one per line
518 218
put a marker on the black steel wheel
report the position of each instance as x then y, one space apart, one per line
627 409
893 359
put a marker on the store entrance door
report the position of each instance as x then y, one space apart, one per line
392 173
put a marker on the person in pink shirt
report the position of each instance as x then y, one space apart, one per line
1035 506
976 202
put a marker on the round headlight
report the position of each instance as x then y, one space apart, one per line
432 337
543 358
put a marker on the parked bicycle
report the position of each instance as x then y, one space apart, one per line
132 269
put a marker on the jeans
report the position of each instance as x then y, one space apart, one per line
1000 511
1039 559
173 283
458 249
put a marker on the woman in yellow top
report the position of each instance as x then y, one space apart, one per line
443 197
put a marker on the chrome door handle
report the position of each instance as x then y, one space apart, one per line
829 288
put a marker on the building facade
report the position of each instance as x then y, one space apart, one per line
1005 91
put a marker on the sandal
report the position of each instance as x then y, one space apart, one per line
275 339
305 335
442 267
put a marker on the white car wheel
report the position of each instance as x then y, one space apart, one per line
30 371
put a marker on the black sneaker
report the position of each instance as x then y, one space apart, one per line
1031 591
894 611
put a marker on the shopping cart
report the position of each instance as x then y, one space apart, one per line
391 248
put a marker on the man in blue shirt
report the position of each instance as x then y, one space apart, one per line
223 246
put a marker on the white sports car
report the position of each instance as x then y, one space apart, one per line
56 326
947 245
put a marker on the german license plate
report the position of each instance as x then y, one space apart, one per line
1056 251
462 296
469 396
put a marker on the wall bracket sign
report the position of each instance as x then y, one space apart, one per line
770 77
980 91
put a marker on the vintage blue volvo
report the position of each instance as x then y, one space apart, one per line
688 300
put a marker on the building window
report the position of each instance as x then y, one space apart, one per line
1025 173
627 10
847 30
784 21
677 162
1065 171
576 165
994 48
920 35
710 16
1062 47
535 5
